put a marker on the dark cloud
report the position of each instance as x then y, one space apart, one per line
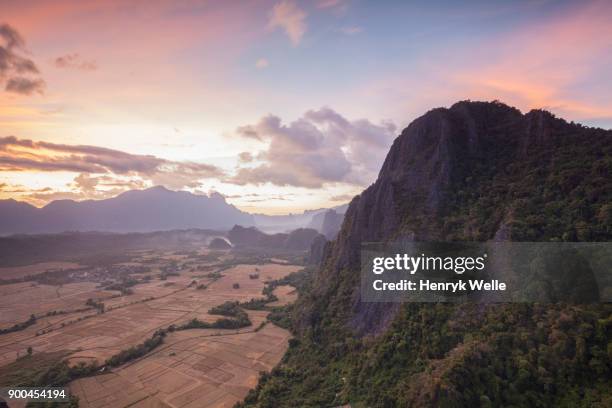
23 154
75 61
248 132
18 73
320 147
24 66
12 140
8 163
11 37
81 158
25 86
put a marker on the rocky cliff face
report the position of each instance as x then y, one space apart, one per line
468 158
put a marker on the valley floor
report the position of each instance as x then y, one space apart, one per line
192 368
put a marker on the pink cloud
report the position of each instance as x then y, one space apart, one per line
288 16
18 155
321 147
75 61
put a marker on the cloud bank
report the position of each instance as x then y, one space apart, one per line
27 155
319 148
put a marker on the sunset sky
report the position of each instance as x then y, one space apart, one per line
280 106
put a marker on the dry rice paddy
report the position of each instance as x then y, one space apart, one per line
21 271
193 368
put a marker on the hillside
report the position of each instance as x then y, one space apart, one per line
67 246
474 172
154 209
299 239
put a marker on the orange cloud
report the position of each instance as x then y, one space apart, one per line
26 155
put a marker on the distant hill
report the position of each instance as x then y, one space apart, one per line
154 209
299 239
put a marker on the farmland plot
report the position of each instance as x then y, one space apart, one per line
196 367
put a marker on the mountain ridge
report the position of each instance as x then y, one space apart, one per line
19 217
420 183
148 210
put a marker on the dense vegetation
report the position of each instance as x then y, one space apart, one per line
283 316
549 185
228 308
510 355
137 351
239 319
96 304
258 303
53 370
561 192
19 326
44 370
124 286
300 280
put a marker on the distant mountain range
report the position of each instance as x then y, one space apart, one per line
153 209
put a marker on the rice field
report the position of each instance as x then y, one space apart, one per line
192 368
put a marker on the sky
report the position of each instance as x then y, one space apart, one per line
280 106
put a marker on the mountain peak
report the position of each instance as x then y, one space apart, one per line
158 188
151 190
431 185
